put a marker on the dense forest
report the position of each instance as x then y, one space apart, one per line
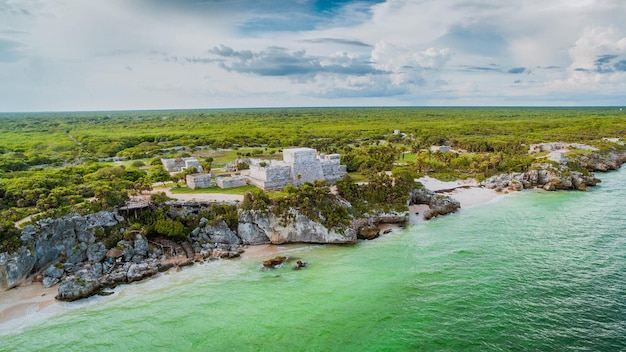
52 163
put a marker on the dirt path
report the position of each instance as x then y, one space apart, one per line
200 197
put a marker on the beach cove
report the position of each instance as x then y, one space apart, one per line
532 271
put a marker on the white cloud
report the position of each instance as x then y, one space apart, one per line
65 54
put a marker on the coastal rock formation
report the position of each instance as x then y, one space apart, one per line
543 176
137 272
52 275
368 228
438 204
15 267
304 230
258 227
274 262
606 162
254 225
220 233
81 285
46 241
368 233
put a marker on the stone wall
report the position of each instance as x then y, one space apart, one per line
179 164
231 182
333 172
276 175
199 181
305 165
299 155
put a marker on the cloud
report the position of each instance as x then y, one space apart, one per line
337 41
9 51
277 61
55 54
483 69
597 64
475 39
517 70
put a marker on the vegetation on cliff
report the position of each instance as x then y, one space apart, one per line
313 200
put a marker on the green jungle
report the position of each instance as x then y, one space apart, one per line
55 163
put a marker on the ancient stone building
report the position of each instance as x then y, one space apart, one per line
180 164
200 181
231 182
299 165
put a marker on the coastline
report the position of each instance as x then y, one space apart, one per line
467 192
31 302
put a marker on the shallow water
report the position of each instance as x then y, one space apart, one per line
535 271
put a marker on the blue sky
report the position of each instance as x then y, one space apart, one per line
166 54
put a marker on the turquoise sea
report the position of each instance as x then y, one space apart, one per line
534 271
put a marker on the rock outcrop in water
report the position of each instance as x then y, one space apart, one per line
438 204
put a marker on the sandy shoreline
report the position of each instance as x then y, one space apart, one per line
470 195
31 302
26 303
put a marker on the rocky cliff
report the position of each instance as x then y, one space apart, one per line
66 249
72 238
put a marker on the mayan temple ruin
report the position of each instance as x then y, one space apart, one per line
299 165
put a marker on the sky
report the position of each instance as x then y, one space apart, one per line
67 55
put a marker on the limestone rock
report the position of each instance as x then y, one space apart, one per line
141 246
545 176
304 230
82 285
52 275
96 252
15 267
275 262
77 254
127 248
368 233
221 233
138 272
438 204
253 227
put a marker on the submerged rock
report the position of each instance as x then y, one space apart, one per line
274 262
369 233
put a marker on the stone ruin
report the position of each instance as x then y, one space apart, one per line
199 180
180 164
299 165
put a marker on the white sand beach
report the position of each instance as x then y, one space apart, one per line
467 192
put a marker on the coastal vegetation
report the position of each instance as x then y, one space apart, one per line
55 163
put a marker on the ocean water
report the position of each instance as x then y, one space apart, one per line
534 271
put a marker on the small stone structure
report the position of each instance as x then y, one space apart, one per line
299 165
557 156
231 182
200 180
440 148
180 164
555 146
